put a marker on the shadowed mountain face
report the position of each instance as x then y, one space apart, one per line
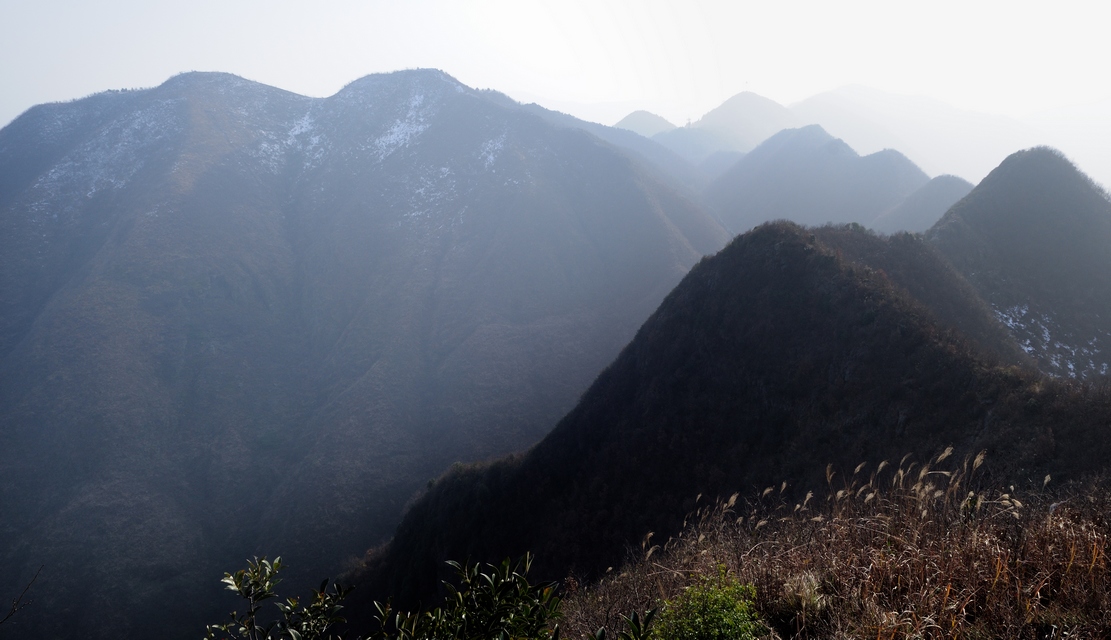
1034 238
238 321
807 176
770 360
923 208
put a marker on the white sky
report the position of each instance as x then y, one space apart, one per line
597 59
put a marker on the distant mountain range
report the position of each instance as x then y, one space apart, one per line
644 123
808 176
939 138
792 349
238 321
924 207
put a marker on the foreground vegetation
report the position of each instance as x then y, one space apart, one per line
905 550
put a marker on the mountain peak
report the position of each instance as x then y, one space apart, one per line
197 79
1034 237
808 176
645 123
412 77
747 119
1028 188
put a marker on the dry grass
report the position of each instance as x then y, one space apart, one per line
906 551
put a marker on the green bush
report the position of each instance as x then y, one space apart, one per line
717 608
256 584
489 603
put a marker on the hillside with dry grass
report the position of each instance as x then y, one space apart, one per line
888 549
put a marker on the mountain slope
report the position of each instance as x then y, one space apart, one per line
1034 238
807 176
770 360
920 271
923 208
238 321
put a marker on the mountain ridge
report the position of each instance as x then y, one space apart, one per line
234 319
773 358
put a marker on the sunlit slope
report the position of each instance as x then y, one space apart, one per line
237 321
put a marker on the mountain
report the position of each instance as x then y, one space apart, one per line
938 137
915 266
668 166
736 126
644 123
718 163
770 360
239 321
1083 132
693 145
810 177
746 120
1034 238
923 208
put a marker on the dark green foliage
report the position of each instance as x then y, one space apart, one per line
256 585
491 602
717 607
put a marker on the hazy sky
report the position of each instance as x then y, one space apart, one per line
597 59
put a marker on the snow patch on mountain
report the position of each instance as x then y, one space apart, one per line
490 150
111 158
1040 335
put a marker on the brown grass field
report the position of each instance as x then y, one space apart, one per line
905 550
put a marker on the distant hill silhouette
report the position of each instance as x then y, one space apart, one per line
673 168
923 208
693 145
736 126
237 321
644 123
1034 238
718 163
746 120
938 137
770 360
808 176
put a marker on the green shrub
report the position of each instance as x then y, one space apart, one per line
717 608
256 584
489 603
